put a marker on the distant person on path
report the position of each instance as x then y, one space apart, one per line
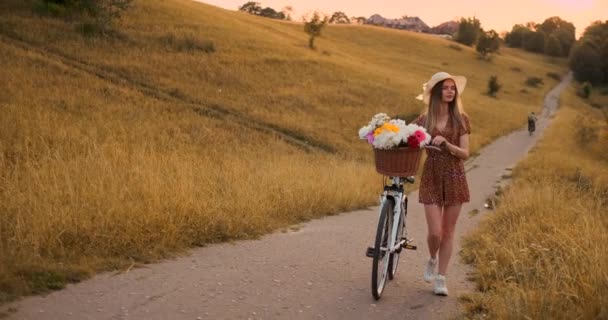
443 187
531 122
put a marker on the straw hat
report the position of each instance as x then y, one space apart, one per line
460 81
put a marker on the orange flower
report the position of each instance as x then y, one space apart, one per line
386 127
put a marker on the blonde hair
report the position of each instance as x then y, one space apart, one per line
455 109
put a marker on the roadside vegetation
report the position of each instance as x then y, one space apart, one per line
542 253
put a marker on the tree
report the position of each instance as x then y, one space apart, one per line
251 7
553 46
254 8
514 39
566 40
313 27
287 10
563 30
269 12
468 31
488 43
589 56
339 17
534 41
358 20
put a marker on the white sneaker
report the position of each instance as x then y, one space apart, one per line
429 270
440 288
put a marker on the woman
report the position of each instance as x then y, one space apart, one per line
443 187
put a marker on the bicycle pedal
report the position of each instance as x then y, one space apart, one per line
409 246
370 252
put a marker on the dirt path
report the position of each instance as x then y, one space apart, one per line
317 272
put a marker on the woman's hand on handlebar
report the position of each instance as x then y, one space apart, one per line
438 141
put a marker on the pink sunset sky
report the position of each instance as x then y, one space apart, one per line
497 15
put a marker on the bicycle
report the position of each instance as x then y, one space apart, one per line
391 237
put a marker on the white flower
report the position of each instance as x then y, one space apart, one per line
398 122
384 140
363 132
379 119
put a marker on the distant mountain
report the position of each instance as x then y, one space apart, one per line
406 23
449 28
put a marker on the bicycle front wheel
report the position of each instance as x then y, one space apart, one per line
380 261
393 261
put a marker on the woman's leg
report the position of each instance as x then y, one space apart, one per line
433 222
450 216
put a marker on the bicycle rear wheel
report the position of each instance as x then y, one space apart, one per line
380 261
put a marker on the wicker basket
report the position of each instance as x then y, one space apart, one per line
400 162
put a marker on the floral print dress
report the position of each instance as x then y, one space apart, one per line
443 180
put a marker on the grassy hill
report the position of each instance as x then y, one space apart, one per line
125 149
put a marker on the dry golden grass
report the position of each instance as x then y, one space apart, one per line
542 254
131 148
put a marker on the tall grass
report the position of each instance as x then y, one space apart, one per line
127 149
542 254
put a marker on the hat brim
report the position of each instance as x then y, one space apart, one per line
460 81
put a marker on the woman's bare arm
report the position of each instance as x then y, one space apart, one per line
461 152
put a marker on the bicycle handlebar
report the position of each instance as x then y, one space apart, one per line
432 147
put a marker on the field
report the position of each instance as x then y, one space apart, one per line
193 124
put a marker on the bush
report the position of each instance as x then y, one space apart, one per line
188 43
585 90
554 76
94 16
493 86
534 81
50 8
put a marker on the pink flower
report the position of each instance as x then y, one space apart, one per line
420 135
370 137
413 142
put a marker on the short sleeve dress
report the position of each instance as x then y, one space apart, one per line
443 179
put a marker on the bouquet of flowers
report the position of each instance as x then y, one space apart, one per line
385 133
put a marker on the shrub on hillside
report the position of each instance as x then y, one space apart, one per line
585 90
554 75
187 42
93 16
534 81
493 86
